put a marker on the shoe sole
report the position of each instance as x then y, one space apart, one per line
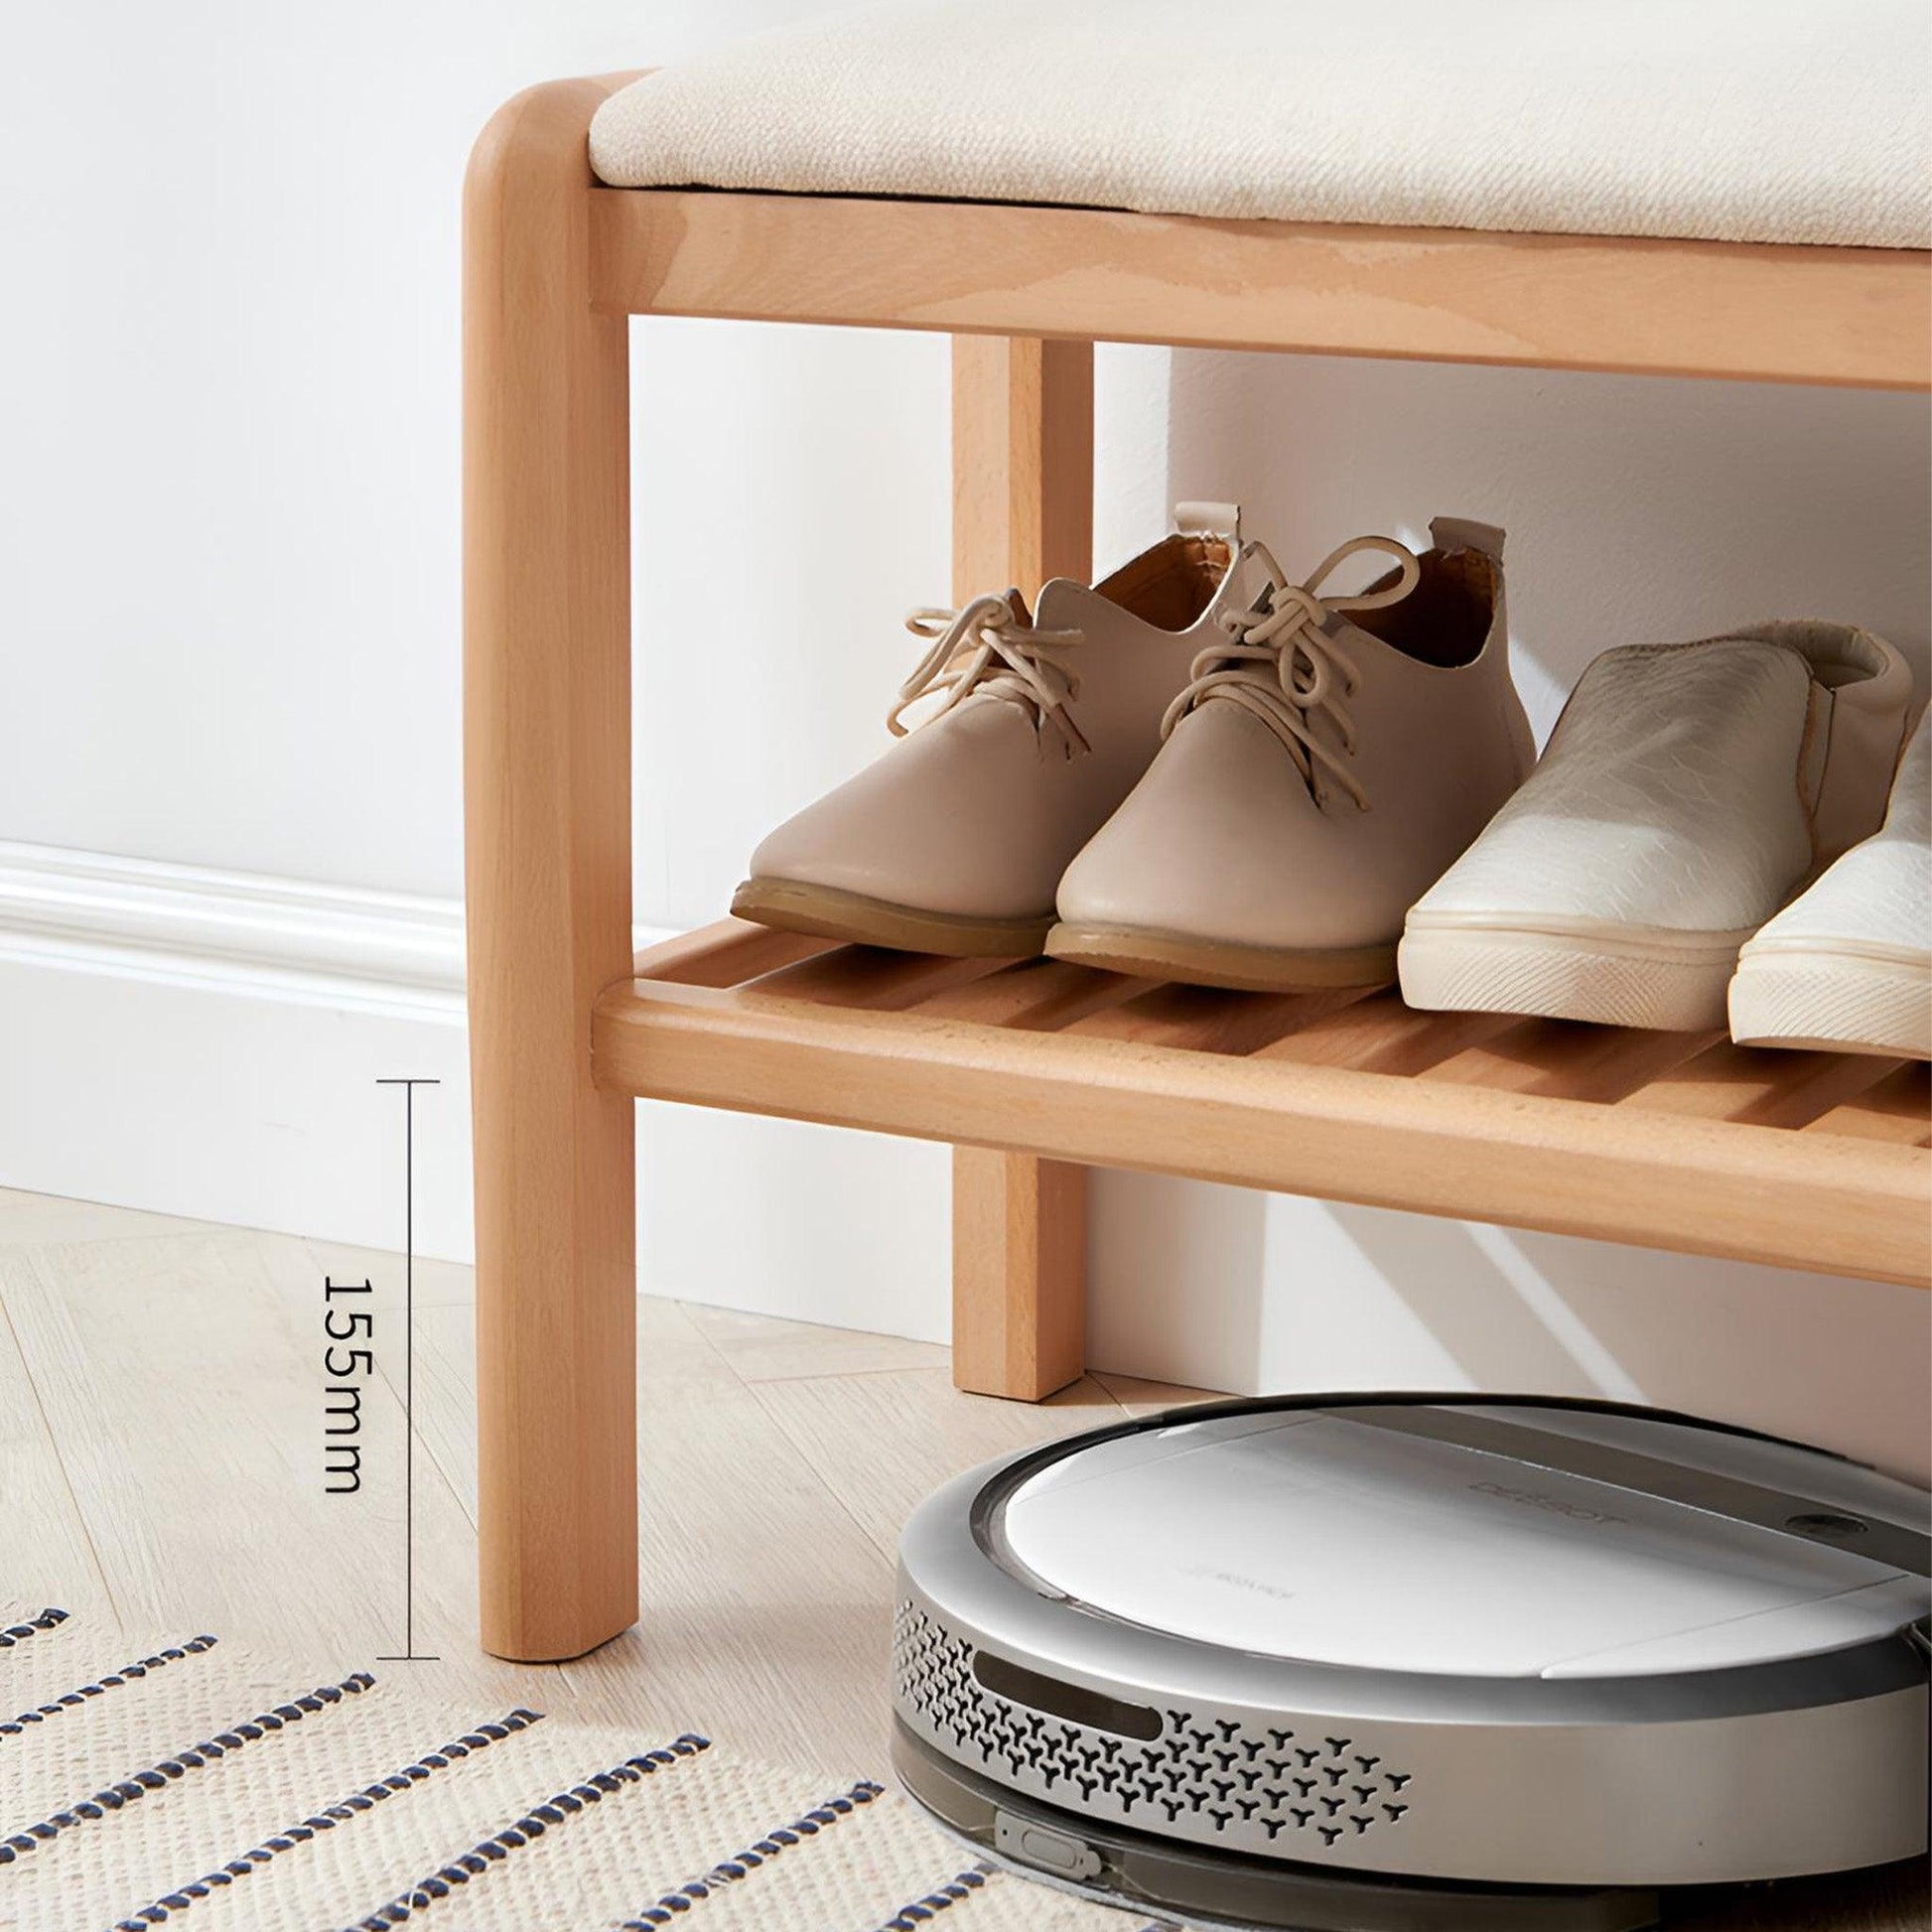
1209 962
1613 975
825 912
1840 1002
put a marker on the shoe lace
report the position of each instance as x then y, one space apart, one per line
988 645
1281 664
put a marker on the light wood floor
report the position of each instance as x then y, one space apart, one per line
161 1464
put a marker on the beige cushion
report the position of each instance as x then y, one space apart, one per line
1736 120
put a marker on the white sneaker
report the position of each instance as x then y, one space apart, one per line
1686 791
1848 964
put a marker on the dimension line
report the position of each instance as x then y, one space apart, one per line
409 1654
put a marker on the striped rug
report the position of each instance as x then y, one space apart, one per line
186 1783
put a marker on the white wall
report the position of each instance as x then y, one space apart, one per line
229 633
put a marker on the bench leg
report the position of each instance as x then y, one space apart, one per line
547 750
1023 512
1019 1273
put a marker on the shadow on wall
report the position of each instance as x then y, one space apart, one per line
1226 1289
1843 1363
1638 510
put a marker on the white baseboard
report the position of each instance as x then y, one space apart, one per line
208 1043
206 928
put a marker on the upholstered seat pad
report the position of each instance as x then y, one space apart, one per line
1736 120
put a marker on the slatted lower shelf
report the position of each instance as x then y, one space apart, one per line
1678 1141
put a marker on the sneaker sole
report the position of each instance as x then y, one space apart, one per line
1836 1001
1613 975
825 912
1208 962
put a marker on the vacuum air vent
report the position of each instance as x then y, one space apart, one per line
1198 1773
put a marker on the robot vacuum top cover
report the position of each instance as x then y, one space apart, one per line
1475 1541
1513 1642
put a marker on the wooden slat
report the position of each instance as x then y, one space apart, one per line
1382 1035
871 977
726 954
1784 313
1898 1108
1761 1087
1437 1147
1209 1019
1040 995
1569 1061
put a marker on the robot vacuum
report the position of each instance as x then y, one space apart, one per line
1417 1662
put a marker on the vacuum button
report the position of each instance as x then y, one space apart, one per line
1043 1849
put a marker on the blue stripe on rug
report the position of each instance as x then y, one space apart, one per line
741 1865
137 1784
961 1886
555 1810
325 1819
18 1633
127 1674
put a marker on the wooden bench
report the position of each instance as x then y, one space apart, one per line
1681 1141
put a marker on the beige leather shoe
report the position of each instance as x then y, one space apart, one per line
1686 793
1328 758
1019 733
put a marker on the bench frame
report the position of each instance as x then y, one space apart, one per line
555 264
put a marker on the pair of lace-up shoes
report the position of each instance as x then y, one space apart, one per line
1199 770
1196 770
